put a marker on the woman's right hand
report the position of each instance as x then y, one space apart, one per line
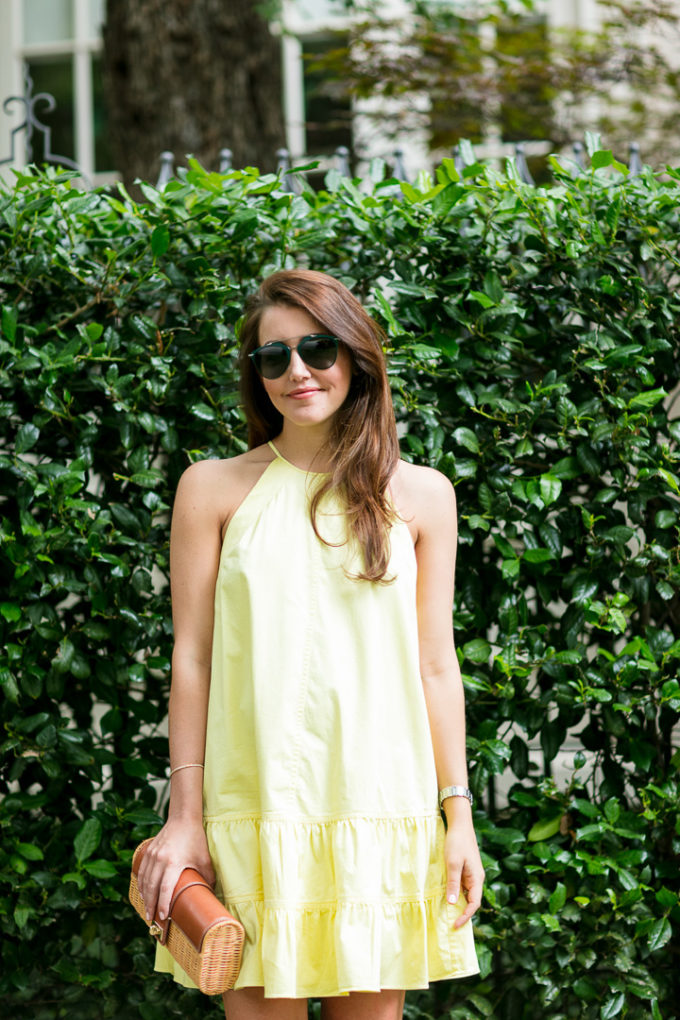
177 846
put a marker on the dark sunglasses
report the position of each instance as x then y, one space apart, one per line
317 350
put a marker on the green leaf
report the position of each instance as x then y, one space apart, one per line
100 869
202 411
148 478
601 158
493 286
93 331
87 839
143 816
10 611
9 323
477 650
550 488
481 298
584 589
160 239
612 810
27 437
544 829
466 437
540 555
666 518
660 934
613 1006
558 898
22 914
648 399
30 851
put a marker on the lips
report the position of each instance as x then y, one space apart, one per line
306 392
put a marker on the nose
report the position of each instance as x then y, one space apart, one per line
297 368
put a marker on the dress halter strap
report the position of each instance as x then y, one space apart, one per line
279 456
271 446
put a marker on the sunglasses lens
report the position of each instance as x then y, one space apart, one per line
318 351
271 361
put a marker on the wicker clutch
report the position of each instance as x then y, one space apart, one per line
200 933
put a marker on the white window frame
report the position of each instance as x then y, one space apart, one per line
82 48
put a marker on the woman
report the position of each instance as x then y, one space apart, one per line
316 702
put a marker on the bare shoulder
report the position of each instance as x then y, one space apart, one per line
218 487
424 497
425 486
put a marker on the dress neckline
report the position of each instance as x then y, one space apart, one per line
279 456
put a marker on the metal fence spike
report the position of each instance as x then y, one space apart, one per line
167 171
634 159
283 169
398 169
579 154
342 160
521 163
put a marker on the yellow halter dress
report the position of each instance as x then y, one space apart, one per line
320 792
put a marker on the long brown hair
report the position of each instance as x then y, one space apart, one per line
362 447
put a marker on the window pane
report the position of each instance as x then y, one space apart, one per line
317 10
96 15
526 109
103 159
47 20
55 76
453 47
328 113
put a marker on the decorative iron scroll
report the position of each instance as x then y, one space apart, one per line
32 125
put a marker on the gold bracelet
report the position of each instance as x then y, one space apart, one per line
191 765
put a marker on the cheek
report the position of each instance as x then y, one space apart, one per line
271 387
343 367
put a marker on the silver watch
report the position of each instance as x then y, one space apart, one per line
455 791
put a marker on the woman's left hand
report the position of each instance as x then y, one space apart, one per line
464 869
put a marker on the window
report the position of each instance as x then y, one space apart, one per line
61 44
328 112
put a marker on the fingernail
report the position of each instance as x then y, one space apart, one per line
451 898
161 915
148 916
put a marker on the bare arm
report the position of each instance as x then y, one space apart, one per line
195 543
435 517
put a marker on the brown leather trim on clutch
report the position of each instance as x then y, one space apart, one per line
195 914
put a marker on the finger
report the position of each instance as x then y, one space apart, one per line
165 891
474 900
453 880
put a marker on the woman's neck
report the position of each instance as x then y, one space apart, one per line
305 448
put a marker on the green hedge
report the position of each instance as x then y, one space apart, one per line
533 350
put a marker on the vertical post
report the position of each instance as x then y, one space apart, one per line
634 160
398 169
167 170
293 94
342 157
579 157
283 168
83 111
522 165
12 74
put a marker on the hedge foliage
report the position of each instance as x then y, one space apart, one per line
533 351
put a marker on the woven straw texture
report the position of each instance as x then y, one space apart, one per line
215 968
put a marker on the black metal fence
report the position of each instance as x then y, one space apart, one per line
463 153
